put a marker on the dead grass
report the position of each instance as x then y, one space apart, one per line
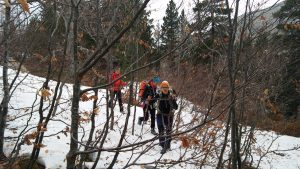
22 163
281 125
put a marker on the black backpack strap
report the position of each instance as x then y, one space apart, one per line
159 95
146 90
172 101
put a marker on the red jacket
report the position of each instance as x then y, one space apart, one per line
117 84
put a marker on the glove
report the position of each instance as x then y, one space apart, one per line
141 104
149 98
173 97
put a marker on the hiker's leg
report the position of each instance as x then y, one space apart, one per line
140 119
165 123
111 100
119 97
160 126
146 113
152 115
169 130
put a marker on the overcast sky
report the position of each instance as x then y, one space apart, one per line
158 7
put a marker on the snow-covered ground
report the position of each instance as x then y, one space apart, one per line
269 150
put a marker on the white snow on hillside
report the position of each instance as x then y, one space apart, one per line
25 102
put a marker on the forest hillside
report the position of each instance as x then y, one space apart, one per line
215 76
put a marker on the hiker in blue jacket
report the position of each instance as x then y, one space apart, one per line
146 94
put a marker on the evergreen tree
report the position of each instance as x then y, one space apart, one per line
211 28
139 39
183 32
289 16
170 27
136 41
146 26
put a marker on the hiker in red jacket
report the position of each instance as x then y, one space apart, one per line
116 89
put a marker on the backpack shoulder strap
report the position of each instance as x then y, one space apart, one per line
158 101
172 101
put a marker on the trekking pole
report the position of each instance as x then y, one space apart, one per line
144 112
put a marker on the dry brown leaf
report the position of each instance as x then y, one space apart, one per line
262 18
96 110
38 56
45 93
84 97
40 145
43 129
67 129
42 28
25 5
195 141
94 97
266 92
212 133
27 141
285 27
65 133
54 59
185 142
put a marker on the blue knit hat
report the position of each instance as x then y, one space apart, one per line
156 79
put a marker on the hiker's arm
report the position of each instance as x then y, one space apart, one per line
123 83
175 104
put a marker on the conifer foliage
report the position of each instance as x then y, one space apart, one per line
211 26
289 98
170 27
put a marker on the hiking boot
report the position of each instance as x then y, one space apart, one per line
139 121
163 151
153 132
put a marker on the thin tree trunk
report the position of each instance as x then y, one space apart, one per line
136 87
220 162
4 103
71 156
91 134
58 98
112 104
42 123
231 74
103 136
90 62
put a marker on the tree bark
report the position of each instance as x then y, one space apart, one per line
4 103
231 73
71 156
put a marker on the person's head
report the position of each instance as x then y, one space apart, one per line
156 79
117 69
164 87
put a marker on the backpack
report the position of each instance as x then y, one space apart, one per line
143 85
